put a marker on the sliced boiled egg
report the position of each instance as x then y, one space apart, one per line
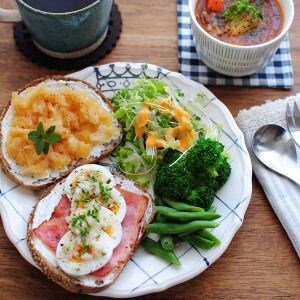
87 178
116 204
110 224
77 259
97 210
91 185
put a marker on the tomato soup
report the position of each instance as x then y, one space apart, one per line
244 22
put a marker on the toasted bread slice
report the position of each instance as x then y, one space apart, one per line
45 257
99 151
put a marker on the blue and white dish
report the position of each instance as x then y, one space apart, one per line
146 273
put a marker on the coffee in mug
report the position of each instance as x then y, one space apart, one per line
59 6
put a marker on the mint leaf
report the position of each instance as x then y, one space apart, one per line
33 136
40 129
46 148
43 140
53 138
39 146
51 129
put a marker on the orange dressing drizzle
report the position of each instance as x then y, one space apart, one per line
184 130
141 120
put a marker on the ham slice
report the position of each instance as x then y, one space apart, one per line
63 208
50 232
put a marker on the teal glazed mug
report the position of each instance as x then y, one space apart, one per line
67 34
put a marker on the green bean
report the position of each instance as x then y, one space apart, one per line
158 201
186 216
181 206
212 209
166 242
156 248
171 228
208 235
197 241
160 218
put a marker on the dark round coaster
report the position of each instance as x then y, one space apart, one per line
28 48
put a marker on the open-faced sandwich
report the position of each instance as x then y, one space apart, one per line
53 125
84 229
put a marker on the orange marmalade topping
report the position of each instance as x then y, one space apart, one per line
80 120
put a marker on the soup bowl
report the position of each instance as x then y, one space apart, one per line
235 60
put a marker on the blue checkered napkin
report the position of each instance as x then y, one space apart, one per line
277 74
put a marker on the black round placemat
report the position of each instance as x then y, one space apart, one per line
28 48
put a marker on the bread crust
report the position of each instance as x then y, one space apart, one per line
68 282
6 166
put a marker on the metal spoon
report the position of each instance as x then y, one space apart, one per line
274 147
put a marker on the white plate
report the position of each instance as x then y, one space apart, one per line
146 273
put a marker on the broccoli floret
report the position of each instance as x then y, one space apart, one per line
195 177
171 156
171 181
215 183
201 197
207 164
224 171
205 156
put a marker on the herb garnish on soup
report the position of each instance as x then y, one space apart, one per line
244 22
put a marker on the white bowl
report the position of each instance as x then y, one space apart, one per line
236 60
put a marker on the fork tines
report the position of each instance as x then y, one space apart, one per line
293 122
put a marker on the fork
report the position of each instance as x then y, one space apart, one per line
293 122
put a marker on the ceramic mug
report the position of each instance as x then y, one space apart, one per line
64 35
